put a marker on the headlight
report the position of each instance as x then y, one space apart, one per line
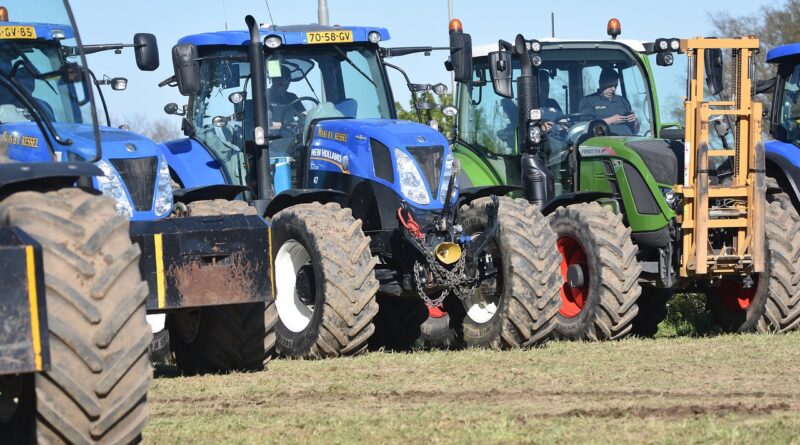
411 183
111 185
163 203
448 172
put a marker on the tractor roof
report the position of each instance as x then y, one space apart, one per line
44 31
290 34
777 54
633 45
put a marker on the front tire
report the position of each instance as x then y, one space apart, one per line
325 283
597 246
95 390
518 307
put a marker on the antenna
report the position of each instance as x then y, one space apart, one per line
553 24
225 15
274 25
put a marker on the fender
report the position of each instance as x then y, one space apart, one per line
783 170
290 197
573 198
216 191
43 176
470 194
192 163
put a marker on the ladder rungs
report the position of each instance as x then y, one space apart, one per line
719 192
724 153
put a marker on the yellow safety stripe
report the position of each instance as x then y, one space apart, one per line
33 303
271 267
160 288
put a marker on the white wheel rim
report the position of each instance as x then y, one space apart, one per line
293 313
480 309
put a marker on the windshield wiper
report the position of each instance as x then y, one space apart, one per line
342 53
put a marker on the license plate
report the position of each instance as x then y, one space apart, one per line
342 36
17 32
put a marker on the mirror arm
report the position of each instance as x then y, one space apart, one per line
102 96
409 84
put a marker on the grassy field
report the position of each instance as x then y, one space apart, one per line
722 389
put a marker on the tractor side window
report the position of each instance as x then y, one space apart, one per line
487 120
790 107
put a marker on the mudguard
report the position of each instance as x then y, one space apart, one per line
42 176
783 164
470 194
573 198
288 198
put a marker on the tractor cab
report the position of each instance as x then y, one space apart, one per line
571 81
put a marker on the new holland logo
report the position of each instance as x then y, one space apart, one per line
130 147
333 157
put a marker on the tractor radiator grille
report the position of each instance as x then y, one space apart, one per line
430 160
139 176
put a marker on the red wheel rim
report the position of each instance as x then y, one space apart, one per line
572 298
735 297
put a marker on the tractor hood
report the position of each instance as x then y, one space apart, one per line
414 159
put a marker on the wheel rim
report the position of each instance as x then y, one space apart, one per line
295 289
573 299
735 297
484 302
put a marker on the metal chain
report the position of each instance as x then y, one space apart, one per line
452 280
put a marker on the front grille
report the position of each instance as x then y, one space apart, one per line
139 176
430 161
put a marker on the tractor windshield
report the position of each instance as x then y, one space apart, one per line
576 85
305 84
789 117
41 58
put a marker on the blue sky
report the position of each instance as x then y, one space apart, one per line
410 22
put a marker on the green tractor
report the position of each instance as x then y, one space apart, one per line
638 213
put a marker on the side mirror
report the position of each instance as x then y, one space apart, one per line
461 56
714 65
187 68
500 70
146 50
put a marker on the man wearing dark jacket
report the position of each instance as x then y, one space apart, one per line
606 105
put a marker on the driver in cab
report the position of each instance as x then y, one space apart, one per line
605 104
283 104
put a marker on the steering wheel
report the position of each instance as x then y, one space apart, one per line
292 118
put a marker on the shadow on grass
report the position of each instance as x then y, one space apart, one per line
688 317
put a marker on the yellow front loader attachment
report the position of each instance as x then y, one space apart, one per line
723 222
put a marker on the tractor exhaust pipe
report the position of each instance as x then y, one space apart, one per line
255 51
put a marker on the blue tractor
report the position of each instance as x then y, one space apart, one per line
783 152
73 335
200 254
368 225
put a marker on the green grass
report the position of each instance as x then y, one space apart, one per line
722 389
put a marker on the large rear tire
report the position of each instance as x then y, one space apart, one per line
214 339
95 390
595 243
325 283
773 304
518 307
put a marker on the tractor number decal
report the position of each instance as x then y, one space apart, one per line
330 157
333 135
17 139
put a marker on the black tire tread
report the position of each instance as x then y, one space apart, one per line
528 244
100 372
349 285
782 312
619 286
